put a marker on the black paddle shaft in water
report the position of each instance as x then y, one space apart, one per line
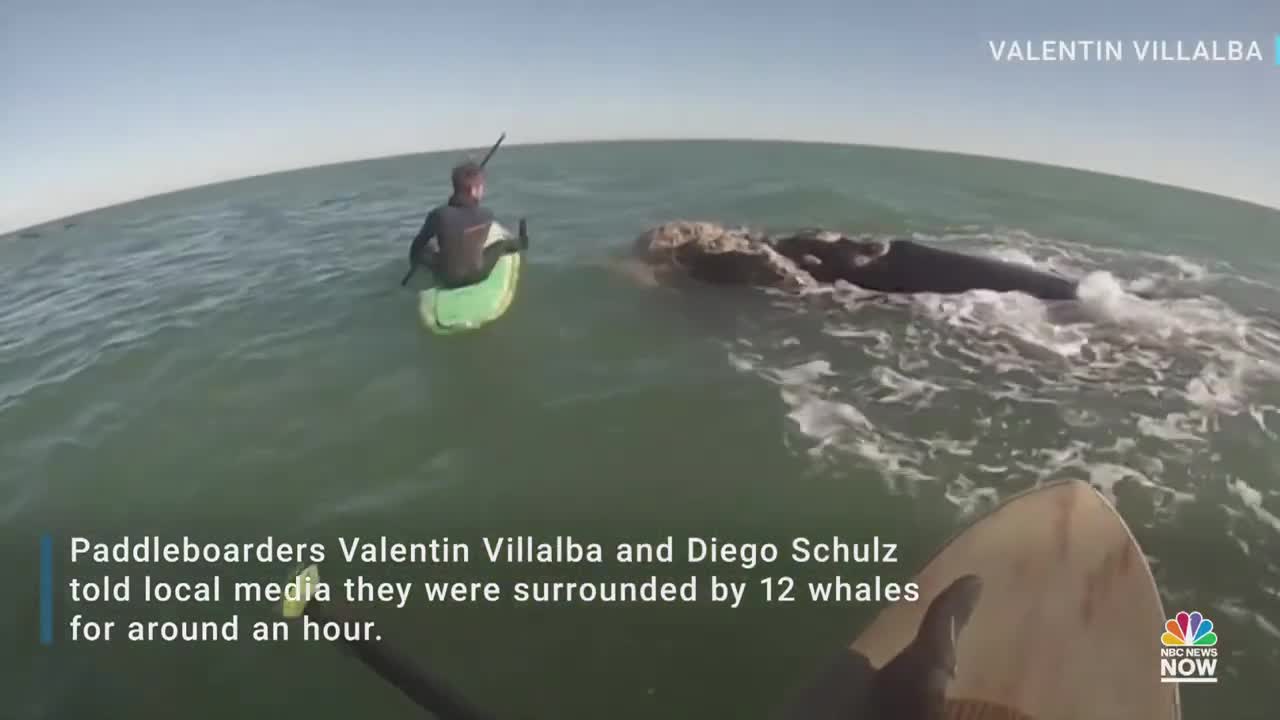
427 691
414 267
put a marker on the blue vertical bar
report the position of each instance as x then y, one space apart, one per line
1278 50
46 590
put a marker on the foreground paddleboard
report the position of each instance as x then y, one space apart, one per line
447 311
1068 623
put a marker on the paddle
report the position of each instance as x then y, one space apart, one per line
413 267
427 691
493 150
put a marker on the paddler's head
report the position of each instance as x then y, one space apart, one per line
468 181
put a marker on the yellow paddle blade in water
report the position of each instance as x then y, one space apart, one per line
298 594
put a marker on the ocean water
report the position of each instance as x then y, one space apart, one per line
239 361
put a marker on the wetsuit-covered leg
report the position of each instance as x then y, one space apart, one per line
911 686
492 253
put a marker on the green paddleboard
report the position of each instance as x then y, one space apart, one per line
446 311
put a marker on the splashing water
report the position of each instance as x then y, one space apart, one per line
984 393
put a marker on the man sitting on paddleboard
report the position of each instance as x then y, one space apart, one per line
461 227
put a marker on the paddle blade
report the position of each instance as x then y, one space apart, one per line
299 591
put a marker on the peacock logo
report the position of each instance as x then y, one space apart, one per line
1189 654
1189 629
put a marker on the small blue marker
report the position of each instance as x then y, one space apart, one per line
1278 51
46 590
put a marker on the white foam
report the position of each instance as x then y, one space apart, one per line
1009 316
1012 255
741 363
1175 427
1243 615
801 375
1259 415
1187 268
1252 499
823 419
982 394
969 497
1267 626
904 388
836 424
949 446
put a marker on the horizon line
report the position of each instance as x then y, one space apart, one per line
641 139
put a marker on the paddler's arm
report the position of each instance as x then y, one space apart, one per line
419 245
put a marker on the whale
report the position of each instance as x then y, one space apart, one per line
906 266
712 253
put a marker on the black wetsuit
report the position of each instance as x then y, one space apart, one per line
461 228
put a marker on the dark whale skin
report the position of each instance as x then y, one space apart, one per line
911 267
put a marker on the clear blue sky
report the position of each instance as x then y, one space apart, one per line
108 101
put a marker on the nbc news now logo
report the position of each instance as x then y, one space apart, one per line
1190 653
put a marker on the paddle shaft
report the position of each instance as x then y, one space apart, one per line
413 267
493 150
427 691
